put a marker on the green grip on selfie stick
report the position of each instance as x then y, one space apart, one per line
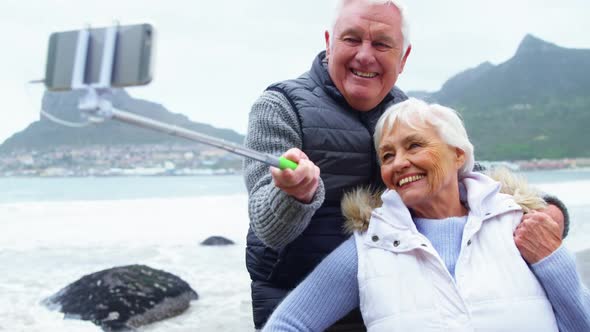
285 163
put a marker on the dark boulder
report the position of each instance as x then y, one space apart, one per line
217 241
124 298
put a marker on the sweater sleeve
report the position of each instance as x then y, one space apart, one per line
549 199
326 295
275 217
569 297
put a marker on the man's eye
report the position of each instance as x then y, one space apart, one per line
351 40
381 46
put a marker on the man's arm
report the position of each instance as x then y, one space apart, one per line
276 217
557 210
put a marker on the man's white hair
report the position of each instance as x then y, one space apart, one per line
416 114
397 3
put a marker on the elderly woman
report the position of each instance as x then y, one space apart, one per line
439 254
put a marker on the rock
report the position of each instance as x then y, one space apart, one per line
217 241
123 298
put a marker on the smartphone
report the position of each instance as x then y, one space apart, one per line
132 63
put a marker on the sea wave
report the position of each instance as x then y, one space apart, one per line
133 222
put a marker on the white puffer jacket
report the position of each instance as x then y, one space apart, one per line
405 286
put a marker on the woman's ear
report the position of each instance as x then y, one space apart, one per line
459 158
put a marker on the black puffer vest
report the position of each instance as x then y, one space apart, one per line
339 140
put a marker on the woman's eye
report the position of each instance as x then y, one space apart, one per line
387 156
415 145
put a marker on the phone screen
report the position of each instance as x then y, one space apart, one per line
131 65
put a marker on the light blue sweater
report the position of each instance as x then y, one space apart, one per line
445 236
331 290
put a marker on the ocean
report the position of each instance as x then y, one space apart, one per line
56 230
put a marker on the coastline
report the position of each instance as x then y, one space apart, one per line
175 163
540 164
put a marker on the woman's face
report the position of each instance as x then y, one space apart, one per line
420 166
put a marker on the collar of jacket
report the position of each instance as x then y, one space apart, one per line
392 227
479 193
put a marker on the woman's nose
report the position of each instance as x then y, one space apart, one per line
400 162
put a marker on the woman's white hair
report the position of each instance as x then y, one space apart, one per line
397 3
416 114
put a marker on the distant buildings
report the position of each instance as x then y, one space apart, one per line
539 164
161 159
120 160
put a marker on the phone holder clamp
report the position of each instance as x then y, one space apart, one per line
93 103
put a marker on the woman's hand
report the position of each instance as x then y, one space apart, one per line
539 234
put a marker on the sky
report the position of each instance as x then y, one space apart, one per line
214 58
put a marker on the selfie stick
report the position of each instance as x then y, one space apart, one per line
95 104
127 117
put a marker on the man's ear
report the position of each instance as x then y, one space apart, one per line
327 36
403 63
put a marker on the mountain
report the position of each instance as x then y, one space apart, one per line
45 134
534 105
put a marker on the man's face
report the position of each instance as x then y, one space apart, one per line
364 59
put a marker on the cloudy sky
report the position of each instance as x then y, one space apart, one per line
213 58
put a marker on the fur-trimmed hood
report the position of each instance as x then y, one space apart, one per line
358 205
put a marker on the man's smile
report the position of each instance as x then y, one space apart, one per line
364 74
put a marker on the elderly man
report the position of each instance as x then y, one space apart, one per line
325 120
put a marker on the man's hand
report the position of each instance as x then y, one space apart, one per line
538 234
300 183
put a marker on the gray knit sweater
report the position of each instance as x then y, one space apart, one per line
275 217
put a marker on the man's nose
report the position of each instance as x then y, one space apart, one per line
365 53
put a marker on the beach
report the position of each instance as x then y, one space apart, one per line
46 246
62 229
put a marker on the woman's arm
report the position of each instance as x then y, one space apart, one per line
538 238
326 295
569 297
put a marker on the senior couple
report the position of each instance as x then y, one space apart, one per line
441 249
